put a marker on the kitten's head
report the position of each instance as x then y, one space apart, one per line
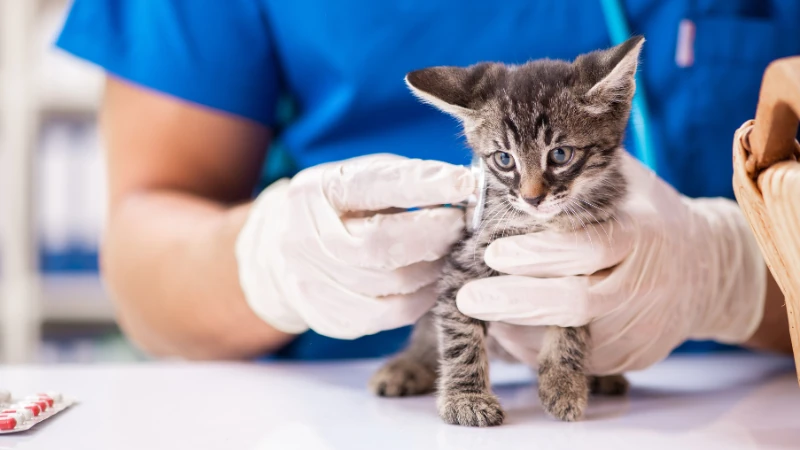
549 131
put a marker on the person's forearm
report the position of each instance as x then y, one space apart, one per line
168 260
773 333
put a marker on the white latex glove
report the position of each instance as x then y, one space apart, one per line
316 253
680 269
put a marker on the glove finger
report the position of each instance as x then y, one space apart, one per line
559 254
631 339
631 352
376 184
373 157
342 314
521 343
380 283
563 302
390 241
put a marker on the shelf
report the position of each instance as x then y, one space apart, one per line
78 87
74 298
37 81
68 105
63 83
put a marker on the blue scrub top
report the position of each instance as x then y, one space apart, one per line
328 75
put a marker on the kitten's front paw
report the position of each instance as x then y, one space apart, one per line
611 385
470 410
401 377
564 394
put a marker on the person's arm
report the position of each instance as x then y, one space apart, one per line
192 273
773 332
176 172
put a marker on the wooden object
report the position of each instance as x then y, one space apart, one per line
767 181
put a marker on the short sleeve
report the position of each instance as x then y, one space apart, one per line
214 53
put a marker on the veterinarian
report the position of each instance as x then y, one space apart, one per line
212 251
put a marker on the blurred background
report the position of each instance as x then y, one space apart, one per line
53 308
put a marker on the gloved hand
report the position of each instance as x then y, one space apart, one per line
669 269
328 249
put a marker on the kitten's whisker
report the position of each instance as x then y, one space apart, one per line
502 219
583 225
591 218
481 229
507 220
497 219
608 188
484 223
607 185
610 216
597 223
513 217
570 213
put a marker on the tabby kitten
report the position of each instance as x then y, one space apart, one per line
550 134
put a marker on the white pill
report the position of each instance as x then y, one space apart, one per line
27 413
33 407
38 397
18 416
56 396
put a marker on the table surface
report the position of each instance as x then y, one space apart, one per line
727 401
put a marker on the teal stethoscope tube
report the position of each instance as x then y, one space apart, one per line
619 31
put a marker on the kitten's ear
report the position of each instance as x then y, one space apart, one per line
613 73
458 91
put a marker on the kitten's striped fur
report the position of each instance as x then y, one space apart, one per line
525 112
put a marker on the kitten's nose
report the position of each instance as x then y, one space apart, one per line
534 200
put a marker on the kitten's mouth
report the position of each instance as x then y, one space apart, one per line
551 209
546 210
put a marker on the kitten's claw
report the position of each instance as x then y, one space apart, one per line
471 410
612 385
402 377
564 394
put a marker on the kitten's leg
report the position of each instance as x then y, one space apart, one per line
563 387
464 397
612 385
413 371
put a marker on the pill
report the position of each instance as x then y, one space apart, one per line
7 422
36 401
5 396
56 396
25 412
33 407
40 398
18 416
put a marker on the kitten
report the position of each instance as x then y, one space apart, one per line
550 134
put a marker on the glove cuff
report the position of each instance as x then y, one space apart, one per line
735 305
259 261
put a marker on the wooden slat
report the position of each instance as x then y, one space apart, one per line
780 187
767 182
761 220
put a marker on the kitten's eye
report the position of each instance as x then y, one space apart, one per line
560 155
503 160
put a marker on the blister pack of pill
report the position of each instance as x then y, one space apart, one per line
21 414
